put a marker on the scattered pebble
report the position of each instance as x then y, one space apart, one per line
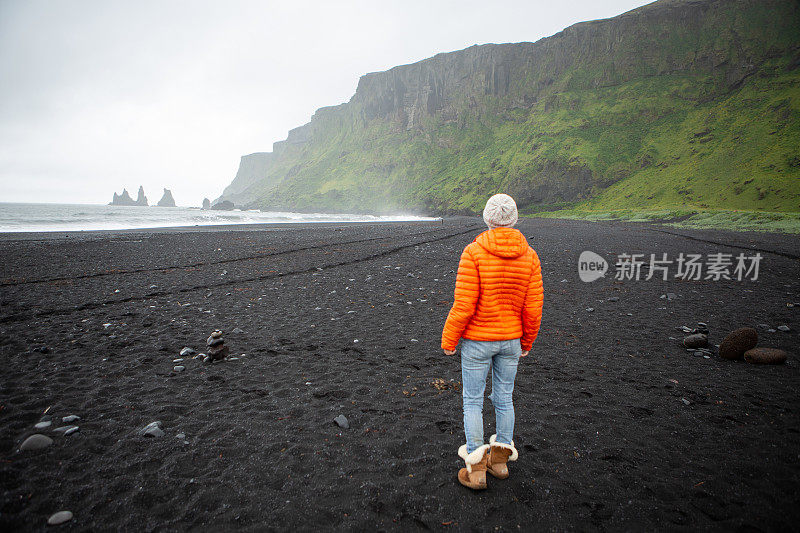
614 299
181 436
178 360
72 429
186 352
70 419
153 429
179 368
237 330
43 425
342 422
698 340
784 328
590 309
59 518
64 429
38 442
685 401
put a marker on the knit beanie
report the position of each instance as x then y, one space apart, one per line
500 212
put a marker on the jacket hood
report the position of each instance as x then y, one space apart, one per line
503 242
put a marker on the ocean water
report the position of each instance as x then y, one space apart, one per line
84 217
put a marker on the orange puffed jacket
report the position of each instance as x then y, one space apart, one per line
498 291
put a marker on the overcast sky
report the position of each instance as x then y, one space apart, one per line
100 95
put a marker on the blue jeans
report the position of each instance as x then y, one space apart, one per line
476 359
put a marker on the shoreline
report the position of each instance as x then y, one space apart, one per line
271 226
16 218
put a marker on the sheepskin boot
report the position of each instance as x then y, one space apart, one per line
499 455
474 474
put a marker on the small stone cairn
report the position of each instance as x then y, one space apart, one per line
216 348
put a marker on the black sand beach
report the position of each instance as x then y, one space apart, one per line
618 428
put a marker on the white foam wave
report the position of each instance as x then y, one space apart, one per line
65 217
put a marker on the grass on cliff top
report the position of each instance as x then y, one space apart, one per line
723 219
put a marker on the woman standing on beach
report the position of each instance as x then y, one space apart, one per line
497 311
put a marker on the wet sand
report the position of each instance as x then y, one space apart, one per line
617 426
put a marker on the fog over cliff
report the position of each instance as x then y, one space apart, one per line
97 96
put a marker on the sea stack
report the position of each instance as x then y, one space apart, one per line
206 203
216 347
141 199
167 200
122 199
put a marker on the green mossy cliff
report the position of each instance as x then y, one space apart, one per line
679 103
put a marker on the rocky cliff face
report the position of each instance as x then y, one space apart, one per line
253 169
559 120
166 200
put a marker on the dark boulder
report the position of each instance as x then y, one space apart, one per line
765 356
737 342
